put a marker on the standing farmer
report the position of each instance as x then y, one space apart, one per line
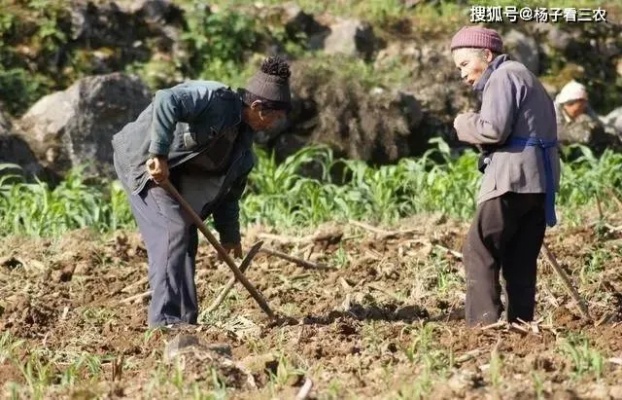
516 129
198 134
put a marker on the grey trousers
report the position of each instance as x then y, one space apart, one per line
505 237
171 241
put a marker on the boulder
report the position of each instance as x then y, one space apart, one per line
358 122
434 82
74 127
121 23
107 26
350 37
164 22
553 38
558 39
522 48
14 150
377 124
154 11
296 21
110 35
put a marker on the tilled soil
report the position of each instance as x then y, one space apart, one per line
386 321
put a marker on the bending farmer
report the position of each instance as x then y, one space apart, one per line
516 129
199 135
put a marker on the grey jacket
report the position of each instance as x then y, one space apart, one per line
182 122
514 105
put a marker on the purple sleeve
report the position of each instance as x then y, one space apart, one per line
493 124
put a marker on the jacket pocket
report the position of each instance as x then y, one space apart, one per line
189 140
183 138
489 180
191 137
196 136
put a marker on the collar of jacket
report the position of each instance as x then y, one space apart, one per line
496 63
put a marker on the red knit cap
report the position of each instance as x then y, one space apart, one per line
478 37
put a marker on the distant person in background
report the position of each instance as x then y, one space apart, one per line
198 134
516 128
578 123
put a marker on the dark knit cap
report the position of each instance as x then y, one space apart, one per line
477 37
271 82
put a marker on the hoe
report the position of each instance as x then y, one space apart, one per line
221 251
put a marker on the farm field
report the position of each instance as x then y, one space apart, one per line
368 183
386 323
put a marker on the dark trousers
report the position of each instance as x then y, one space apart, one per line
171 242
505 237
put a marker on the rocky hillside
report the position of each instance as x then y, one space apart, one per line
374 81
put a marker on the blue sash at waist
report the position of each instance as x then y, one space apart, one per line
546 146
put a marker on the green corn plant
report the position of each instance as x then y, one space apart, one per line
496 366
589 177
584 358
36 209
8 345
285 371
594 263
38 372
538 384
177 376
279 194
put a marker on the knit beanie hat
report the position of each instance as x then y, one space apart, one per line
573 90
271 82
477 37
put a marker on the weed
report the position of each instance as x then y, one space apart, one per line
285 373
584 358
595 263
496 365
538 384
8 346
